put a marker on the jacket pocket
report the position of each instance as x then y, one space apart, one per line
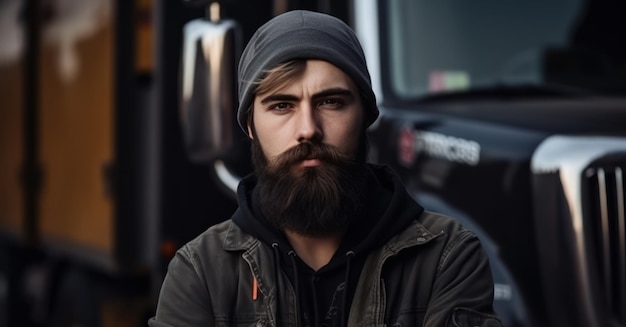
464 317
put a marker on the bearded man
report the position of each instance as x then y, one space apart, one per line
321 237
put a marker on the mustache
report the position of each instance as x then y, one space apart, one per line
309 150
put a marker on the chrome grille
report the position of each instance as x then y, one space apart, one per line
606 215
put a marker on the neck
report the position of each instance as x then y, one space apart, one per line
316 252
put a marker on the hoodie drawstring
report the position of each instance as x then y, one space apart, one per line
344 302
292 256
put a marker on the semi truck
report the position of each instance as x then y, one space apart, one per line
120 143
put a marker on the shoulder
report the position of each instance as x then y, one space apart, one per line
212 256
201 280
435 235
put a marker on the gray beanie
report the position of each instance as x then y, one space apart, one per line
303 34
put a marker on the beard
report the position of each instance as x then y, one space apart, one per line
310 201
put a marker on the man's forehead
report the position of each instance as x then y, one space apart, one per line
317 76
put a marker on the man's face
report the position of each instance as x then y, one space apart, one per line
320 106
306 136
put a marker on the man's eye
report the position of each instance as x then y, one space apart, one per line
331 103
280 107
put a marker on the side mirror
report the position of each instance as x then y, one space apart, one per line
208 87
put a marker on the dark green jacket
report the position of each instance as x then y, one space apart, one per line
434 273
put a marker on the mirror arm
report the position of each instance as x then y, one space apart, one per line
226 177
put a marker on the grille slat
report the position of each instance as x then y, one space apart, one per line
606 217
605 230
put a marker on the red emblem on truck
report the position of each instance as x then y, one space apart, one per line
406 146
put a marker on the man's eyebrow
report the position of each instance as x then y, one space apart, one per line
278 97
336 91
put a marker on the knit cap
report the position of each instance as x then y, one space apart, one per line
302 34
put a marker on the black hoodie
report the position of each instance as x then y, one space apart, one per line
322 300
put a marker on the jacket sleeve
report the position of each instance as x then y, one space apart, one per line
184 299
462 293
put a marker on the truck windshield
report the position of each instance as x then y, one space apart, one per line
460 46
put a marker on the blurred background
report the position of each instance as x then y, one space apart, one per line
100 183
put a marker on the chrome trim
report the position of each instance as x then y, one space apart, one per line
610 196
569 156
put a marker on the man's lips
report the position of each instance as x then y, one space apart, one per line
311 162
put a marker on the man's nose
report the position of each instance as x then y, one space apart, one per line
308 127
